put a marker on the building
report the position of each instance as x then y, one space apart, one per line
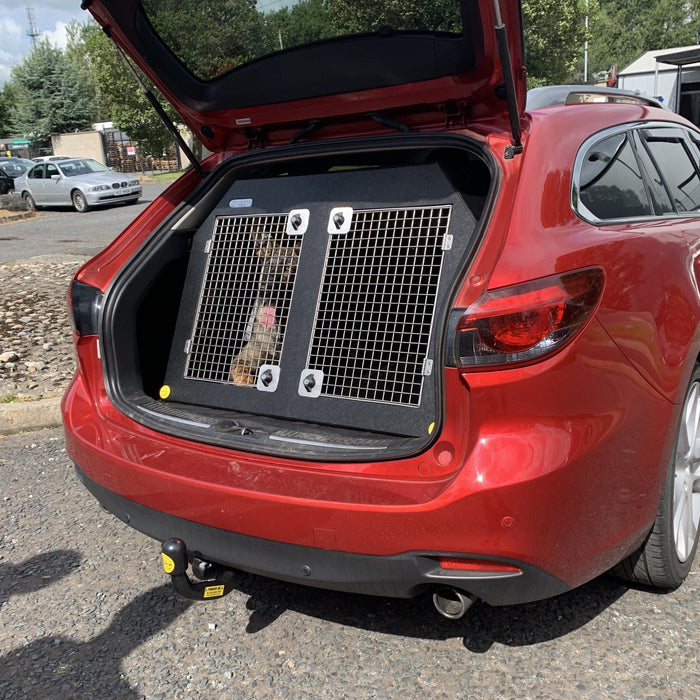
671 75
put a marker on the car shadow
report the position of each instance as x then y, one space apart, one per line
481 627
59 667
36 573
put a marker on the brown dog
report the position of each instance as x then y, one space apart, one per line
278 264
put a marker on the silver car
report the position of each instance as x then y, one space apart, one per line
81 182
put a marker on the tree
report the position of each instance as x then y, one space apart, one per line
555 34
51 97
628 28
120 96
7 101
76 54
305 22
214 37
348 16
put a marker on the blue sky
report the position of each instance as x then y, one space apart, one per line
50 17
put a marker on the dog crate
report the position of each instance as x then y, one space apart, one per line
322 298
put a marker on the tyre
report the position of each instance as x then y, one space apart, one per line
79 202
666 556
133 200
29 201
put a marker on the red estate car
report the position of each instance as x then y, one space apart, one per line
400 332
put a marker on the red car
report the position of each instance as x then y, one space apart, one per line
400 332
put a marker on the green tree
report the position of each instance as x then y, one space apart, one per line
348 16
555 35
120 97
305 22
628 28
7 101
51 97
76 54
211 38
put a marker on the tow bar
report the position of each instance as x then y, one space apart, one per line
219 580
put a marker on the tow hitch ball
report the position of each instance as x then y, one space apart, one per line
219 581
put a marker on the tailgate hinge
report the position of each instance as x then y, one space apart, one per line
455 114
256 138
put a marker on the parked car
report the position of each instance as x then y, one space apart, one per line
81 182
8 172
403 333
23 163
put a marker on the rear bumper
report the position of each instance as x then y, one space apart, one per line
555 491
399 576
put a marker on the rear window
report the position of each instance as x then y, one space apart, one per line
12 169
211 38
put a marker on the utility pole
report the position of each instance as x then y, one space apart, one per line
585 50
32 31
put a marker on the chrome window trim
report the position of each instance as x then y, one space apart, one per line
583 213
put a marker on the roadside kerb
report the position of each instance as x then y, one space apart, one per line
23 416
6 218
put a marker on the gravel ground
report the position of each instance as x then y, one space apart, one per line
36 347
85 612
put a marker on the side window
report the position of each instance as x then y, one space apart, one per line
610 183
658 188
51 170
669 151
37 173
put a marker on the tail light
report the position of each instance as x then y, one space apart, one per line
528 321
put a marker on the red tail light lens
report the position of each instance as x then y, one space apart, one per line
527 321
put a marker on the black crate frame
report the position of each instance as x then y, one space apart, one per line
407 191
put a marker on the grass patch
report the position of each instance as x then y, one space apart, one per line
11 398
167 176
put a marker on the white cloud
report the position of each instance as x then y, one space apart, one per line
9 29
51 18
58 36
11 32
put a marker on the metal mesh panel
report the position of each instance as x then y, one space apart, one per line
244 303
376 302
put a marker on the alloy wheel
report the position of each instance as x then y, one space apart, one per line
686 488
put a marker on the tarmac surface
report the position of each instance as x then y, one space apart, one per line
87 612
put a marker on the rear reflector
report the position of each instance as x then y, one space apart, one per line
460 564
527 321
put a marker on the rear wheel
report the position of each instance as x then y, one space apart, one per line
29 201
79 202
665 557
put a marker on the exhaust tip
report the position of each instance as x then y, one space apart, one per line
451 603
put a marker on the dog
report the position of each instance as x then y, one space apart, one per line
277 261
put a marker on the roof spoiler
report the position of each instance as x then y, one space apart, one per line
581 94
